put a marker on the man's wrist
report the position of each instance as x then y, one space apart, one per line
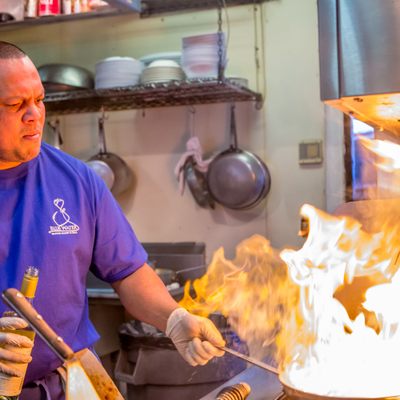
174 318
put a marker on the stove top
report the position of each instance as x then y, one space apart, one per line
264 385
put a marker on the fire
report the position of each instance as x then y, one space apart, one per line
253 290
387 151
343 274
326 313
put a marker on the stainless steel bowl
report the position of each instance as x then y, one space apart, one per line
63 77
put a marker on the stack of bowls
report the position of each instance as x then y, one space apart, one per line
166 55
161 71
117 72
200 55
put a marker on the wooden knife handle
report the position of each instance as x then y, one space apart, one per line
17 301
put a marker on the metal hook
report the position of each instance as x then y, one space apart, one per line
104 116
192 114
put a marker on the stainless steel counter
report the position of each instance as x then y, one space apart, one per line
264 385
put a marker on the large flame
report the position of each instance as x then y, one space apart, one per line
326 313
387 151
253 291
344 275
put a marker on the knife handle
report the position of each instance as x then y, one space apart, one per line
17 301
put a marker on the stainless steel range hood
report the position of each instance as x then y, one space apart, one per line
359 44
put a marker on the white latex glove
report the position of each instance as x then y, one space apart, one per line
194 337
13 346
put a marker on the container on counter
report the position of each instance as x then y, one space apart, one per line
67 7
31 9
49 7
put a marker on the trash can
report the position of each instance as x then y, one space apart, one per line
152 368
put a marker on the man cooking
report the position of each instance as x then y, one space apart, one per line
57 214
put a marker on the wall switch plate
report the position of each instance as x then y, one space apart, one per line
310 152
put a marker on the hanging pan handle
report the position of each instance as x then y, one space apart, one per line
233 133
102 136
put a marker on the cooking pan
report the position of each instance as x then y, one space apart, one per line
295 394
288 391
236 178
117 172
169 276
197 184
85 376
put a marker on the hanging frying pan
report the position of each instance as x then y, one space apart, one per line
236 178
112 168
197 184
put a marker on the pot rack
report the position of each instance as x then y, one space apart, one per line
188 92
176 93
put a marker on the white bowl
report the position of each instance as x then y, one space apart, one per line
164 63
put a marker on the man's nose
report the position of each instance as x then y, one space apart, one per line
33 113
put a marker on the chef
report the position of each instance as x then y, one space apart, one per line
56 214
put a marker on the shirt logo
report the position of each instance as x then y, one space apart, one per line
63 224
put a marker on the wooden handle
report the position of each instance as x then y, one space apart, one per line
17 301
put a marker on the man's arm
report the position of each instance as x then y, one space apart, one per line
145 297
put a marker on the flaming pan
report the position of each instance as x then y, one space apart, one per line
295 394
290 393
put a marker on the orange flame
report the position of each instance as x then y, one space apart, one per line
387 151
326 313
253 291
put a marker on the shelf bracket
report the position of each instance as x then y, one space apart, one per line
126 5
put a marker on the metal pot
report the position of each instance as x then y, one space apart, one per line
236 178
63 77
110 167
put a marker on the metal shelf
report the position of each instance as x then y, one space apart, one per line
118 7
145 8
176 93
151 7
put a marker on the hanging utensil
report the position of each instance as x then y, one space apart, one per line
193 171
236 178
57 138
117 172
86 377
197 184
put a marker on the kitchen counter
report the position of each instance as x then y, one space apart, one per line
264 384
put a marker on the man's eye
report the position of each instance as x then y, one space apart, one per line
14 105
40 99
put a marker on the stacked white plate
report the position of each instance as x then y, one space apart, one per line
166 55
116 72
200 55
160 71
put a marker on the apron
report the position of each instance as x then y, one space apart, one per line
50 387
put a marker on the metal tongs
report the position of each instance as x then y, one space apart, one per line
249 359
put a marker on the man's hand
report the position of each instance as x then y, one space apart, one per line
194 337
13 346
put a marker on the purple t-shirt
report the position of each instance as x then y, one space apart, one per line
57 214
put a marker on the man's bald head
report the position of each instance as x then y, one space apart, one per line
9 50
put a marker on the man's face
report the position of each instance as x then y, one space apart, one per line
22 112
